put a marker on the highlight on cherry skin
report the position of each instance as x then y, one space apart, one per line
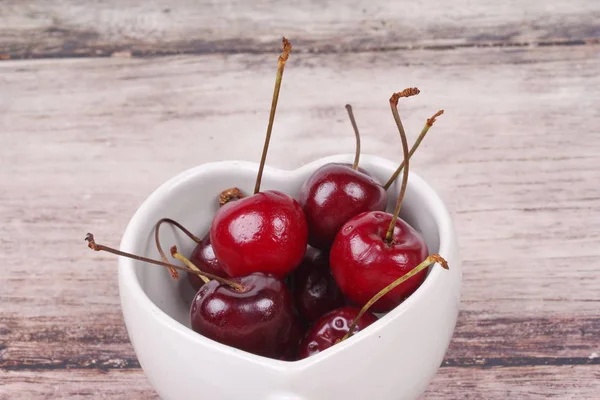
288 278
331 328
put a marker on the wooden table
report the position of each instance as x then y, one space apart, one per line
101 103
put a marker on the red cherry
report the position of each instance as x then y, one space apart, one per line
258 319
313 287
203 257
332 195
265 232
331 328
363 263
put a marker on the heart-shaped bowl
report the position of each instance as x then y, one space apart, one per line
394 358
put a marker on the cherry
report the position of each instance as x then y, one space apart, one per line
336 192
203 256
331 328
362 262
266 232
332 195
314 290
258 319
375 248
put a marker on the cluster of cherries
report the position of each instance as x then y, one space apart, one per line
287 278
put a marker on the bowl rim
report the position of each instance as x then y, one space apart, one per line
129 281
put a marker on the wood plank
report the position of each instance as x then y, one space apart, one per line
83 142
70 28
75 384
526 383
101 341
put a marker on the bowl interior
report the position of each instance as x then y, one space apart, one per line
191 199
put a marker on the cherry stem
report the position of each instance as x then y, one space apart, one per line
189 234
414 148
428 261
356 135
99 247
389 237
231 194
287 47
178 256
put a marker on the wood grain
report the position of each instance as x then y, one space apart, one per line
38 28
523 383
75 384
515 156
527 383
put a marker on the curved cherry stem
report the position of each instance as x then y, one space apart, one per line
189 234
178 256
287 47
414 148
389 237
100 247
356 135
428 261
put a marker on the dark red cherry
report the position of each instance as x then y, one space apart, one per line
332 195
265 232
258 319
203 257
363 262
293 344
314 289
331 328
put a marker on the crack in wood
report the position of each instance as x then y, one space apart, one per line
102 365
519 362
132 363
233 47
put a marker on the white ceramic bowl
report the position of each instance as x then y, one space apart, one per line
395 358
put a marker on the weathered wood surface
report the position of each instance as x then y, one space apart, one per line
516 156
570 382
38 28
